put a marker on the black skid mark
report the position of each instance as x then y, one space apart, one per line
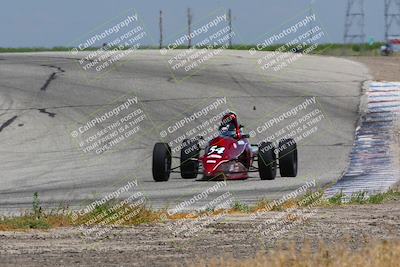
43 110
60 70
46 84
7 123
51 77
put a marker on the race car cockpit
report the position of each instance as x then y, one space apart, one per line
229 126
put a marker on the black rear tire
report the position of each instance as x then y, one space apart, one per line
161 162
190 153
267 161
288 158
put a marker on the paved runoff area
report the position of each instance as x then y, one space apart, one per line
76 136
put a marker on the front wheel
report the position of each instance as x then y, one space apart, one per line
267 161
288 158
161 162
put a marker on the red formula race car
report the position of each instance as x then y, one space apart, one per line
228 156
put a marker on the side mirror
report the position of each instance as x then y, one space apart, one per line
246 135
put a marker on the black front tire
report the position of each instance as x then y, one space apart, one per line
190 153
267 161
288 158
161 162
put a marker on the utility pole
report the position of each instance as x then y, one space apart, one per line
189 16
354 22
392 14
230 27
311 11
161 30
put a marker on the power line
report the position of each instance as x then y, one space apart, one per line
354 22
392 14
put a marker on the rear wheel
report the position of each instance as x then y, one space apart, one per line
266 161
288 158
161 162
190 152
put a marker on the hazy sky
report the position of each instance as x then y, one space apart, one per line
56 23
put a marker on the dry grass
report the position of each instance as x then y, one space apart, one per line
109 214
385 254
28 221
128 215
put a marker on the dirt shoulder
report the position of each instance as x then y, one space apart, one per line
157 245
382 68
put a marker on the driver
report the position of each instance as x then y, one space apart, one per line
229 126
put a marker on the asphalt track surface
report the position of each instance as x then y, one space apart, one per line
43 96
